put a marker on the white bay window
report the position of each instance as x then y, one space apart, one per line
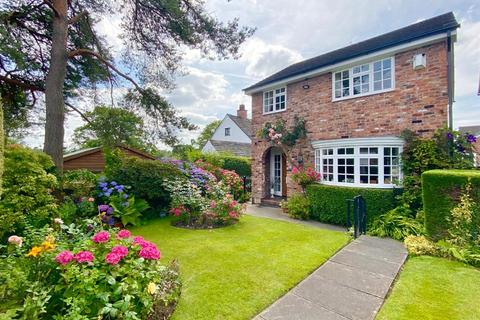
364 79
363 162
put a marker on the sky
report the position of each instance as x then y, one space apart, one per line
290 31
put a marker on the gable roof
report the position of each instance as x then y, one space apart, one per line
475 130
235 148
429 27
87 151
244 124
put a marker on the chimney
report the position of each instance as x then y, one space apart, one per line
241 112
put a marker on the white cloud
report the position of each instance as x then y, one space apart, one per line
262 59
467 59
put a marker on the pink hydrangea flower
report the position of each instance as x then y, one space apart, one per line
232 214
84 256
122 234
232 204
138 240
112 258
64 257
102 236
122 251
16 240
149 252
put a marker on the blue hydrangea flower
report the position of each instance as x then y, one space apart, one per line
113 183
125 196
103 184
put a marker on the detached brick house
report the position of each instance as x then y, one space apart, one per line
356 101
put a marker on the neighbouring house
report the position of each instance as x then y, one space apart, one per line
93 159
355 101
233 135
475 130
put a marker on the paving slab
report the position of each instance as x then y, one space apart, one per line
367 263
351 285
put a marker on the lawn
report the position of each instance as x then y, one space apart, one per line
237 271
434 288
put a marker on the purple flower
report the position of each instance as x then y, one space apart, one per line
104 189
471 138
113 183
449 135
103 184
125 196
103 207
109 210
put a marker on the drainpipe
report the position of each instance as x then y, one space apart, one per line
450 83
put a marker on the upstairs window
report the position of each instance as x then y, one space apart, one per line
364 79
227 132
274 100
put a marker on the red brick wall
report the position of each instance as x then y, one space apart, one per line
419 102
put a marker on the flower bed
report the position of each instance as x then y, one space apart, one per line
70 272
204 199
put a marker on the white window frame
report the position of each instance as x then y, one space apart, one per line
275 95
357 143
371 81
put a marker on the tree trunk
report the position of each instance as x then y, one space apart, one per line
54 100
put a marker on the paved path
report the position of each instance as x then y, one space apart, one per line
351 285
277 214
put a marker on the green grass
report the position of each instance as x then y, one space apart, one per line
237 271
434 288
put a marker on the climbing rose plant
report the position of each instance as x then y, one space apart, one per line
278 133
305 176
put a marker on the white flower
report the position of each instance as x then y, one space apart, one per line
58 221
16 240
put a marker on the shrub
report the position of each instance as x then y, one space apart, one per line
328 204
297 206
197 208
66 274
305 176
419 245
79 183
396 224
28 186
441 193
146 179
241 165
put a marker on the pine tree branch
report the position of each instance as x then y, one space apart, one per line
87 52
77 111
78 17
21 84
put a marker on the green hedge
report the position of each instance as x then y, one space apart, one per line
241 165
441 190
328 203
146 179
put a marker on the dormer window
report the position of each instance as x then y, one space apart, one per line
364 79
227 132
275 100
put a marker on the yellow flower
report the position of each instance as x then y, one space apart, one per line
47 245
50 238
152 288
35 251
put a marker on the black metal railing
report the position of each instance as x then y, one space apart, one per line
359 216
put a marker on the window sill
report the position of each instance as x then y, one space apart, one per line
273 112
362 95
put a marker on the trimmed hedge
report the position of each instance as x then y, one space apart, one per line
241 165
441 190
328 203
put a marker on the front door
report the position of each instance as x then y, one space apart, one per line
276 172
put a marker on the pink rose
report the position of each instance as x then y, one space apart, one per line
112 258
84 256
64 257
122 251
122 234
102 236
149 252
